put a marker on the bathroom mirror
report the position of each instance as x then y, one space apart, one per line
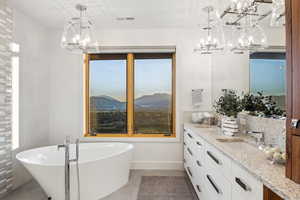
267 71
253 71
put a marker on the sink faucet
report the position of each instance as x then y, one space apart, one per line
259 136
66 146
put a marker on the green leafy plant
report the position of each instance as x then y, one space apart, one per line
260 105
228 104
253 103
271 109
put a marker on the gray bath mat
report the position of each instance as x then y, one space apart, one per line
166 188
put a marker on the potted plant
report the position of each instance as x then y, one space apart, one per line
253 104
271 108
229 105
260 105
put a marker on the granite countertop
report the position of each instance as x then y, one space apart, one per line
253 160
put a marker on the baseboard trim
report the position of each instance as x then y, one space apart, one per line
159 165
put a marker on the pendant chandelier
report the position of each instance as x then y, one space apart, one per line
241 20
213 39
232 43
241 5
78 36
252 36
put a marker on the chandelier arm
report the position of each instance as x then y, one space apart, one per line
77 35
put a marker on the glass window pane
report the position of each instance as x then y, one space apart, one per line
153 96
108 112
268 75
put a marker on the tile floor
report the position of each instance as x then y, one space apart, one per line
32 190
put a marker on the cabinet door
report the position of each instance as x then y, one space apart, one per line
293 52
293 88
270 195
295 143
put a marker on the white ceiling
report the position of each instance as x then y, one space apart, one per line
103 13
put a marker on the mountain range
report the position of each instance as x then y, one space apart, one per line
107 103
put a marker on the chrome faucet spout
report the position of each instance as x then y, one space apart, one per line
258 135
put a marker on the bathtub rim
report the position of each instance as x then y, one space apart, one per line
26 161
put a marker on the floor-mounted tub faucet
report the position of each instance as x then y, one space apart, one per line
66 146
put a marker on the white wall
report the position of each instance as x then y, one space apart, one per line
193 71
34 87
51 85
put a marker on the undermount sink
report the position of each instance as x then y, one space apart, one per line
236 140
229 140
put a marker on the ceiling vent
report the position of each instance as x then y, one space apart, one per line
125 18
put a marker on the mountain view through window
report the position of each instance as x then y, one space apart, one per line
153 88
152 99
108 96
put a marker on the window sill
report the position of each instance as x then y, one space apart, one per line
133 139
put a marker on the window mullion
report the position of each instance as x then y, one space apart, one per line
87 95
130 94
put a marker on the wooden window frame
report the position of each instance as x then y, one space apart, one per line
130 57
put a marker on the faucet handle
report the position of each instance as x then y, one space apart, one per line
258 135
60 146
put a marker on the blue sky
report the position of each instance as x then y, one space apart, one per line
108 77
268 76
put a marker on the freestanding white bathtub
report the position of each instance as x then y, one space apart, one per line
103 169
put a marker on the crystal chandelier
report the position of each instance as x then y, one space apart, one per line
214 39
278 13
241 5
252 36
232 43
77 36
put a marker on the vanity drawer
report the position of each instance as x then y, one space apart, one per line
188 138
217 161
190 170
200 187
199 166
198 146
244 185
188 155
189 162
217 186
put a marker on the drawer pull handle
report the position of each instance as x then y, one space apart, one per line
198 143
213 157
213 184
242 184
189 171
184 143
198 163
190 151
190 136
198 188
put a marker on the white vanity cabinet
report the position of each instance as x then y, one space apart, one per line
214 175
244 185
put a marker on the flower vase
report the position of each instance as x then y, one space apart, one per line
230 126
